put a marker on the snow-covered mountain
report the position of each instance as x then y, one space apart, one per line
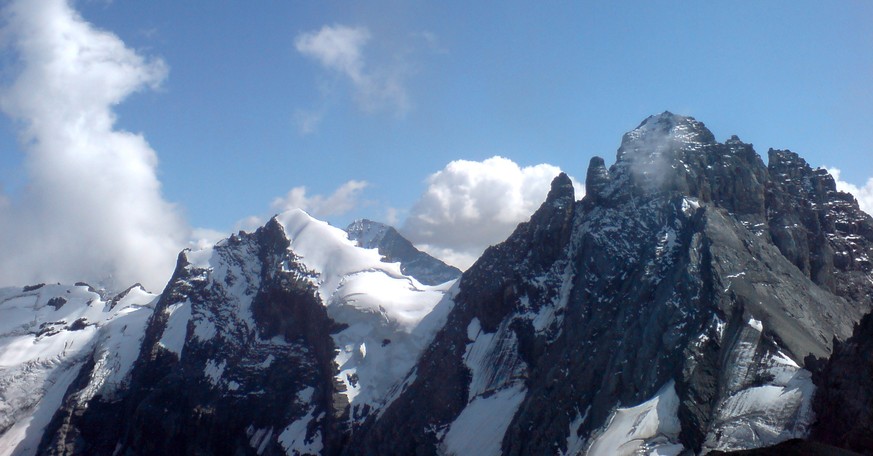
279 341
689 303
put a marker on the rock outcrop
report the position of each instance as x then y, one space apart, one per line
844 400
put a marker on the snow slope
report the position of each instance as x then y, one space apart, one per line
46 334
650 428
391 317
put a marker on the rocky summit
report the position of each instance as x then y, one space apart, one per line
695 300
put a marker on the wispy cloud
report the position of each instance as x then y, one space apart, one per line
92 208
346 198
340 49
469 205
432 42
342 201
863 194
307 122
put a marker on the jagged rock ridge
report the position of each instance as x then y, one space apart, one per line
679 307
671 309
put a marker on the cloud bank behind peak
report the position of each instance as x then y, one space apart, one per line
92 207
470 205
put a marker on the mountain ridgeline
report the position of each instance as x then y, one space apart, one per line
695 300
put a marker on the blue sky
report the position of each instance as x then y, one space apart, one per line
419 85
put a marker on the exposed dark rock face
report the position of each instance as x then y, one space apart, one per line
212 377
397 249
57 302
413 424
37 286
664 283
821 230
844 400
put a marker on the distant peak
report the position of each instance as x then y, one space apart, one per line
363 223
734 139
367 233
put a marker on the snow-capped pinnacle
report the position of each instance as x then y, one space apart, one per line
663 132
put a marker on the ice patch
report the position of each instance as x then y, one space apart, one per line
294 437
24 436
204 329
492 359
764 415
689 205
200 258
259 439
118 345
46 333
667 242
480 427
473 329
496 390
267 362
756 324
173 338
754 415
214 371
649 428
575 442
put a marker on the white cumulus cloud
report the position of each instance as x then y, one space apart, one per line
469 205
92 207
864 194
340 48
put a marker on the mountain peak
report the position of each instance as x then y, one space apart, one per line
561 190
395 248
367 233
661 132
674 153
